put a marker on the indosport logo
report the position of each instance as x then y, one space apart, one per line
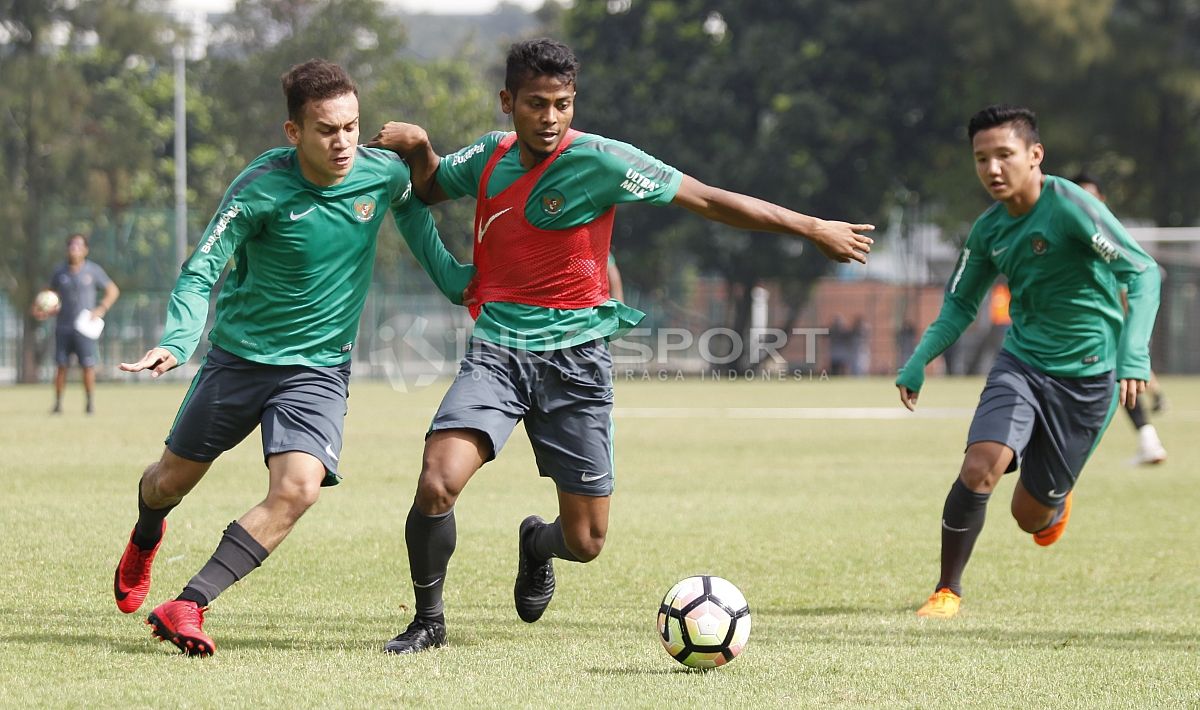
414 353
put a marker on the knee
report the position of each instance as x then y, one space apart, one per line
979 473
586 545
160 485
297 494
1031 518
435 493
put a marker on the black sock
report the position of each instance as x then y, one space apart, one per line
962 521
148 530
431 540
548 541
1138 415
237 555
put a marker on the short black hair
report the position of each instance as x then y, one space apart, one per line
77 235
314 80
1023 120
1086 179
539 57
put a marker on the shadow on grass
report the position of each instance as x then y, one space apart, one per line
825 610
66 639
640 671
939 634
307 633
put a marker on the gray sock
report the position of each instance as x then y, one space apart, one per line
237 555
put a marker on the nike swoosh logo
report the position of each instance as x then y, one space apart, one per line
1055 494
999 251
329 450
589 477
418 585
484 228
117 591
947 527
298 216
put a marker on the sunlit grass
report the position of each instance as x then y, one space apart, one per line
829 526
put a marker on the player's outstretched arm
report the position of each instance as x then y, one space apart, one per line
840 241
157 360
411 142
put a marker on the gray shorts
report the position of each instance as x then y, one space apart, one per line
1052 423
70 342
565 397
300 408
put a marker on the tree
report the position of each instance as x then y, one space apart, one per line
714 96
75 148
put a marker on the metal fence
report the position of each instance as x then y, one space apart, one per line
412 340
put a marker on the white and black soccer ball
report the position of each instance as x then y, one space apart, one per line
704 622
46 304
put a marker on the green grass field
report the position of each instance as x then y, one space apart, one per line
828 525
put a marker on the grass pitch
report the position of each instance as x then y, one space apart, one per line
827 521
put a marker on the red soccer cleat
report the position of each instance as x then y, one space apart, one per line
182 623
131 581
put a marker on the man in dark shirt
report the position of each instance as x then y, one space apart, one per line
77 282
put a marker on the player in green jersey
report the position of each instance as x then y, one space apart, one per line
300 226
1070 349
1150 447
544 200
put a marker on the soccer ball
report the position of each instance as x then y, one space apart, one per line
46 303
704 622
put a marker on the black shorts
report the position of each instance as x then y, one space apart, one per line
1052 423
70 342
300 408
565 397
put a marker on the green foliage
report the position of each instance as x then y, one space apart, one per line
847 110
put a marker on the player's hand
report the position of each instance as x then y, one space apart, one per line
908 398
843 242
157 360
402 138
42 313
1130 389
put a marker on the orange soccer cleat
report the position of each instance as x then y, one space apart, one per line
942 604
1050 535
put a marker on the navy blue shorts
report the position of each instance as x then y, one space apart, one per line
300 408
70 342
1052 423
564 396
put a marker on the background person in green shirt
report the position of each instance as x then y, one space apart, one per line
1050 393
544 195
300 225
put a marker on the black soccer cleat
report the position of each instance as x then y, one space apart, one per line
421 635
535 578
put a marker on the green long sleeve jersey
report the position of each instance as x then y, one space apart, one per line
302 260
1066 261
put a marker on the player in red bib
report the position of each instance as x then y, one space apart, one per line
545 199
